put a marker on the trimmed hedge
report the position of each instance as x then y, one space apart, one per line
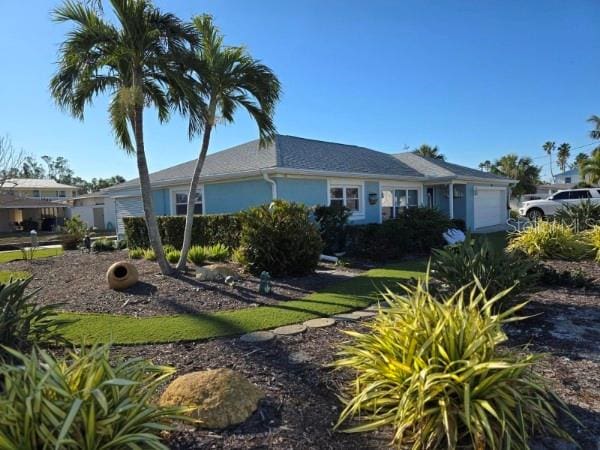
416 231
206 230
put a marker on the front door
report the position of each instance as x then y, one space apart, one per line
99 218
430 199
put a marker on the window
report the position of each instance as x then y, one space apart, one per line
36 193
567 180
561 196
181 203
576 195
348 196
61 193
395 201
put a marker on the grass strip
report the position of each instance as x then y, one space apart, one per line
14 255
357 292
6 276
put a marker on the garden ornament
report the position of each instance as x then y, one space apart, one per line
230 281
34 239
87 243
121 275
265 283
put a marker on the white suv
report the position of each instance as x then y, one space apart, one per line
537 209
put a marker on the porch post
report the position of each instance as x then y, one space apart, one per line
451 200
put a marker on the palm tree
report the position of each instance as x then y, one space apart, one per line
549 147
590 170
562 156
595 133
227 78
429 152
580 159
523 170
138 62
485 165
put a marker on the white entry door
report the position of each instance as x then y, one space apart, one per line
489 206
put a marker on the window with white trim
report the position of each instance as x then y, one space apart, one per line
181 199
348 196
395 201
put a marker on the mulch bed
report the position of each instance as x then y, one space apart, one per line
301 406
78 281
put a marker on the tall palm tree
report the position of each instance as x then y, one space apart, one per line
228 78
562 156
595 133
138 62
590 170
429 152
549 147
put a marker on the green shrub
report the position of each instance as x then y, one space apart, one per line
121 244
238 257
149 254
136 253
76 230
82 401
579 216
332 221
168 248
103 245
416 231
497 270
173 256
23 323
197 254
69 242
217 252
206 230
550 240
281 239
432 369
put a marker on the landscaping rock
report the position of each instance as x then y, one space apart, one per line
216 272
221 397
258 336
290 330
319 323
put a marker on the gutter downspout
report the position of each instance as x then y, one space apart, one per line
273 185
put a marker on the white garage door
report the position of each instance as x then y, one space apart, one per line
489 207
128 207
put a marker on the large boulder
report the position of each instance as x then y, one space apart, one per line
221 397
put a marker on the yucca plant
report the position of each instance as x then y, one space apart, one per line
580 216
149 254
550 240
497 270
217 252
431 369
173 255
592 237
197 255
24 323
136 253
81 401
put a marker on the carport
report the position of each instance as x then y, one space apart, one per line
24 214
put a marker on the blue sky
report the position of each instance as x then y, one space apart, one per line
478 79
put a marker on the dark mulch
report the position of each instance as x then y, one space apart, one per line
79 281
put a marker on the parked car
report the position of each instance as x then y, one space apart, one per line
538 209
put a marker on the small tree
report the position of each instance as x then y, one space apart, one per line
10 160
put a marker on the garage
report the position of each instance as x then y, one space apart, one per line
489 206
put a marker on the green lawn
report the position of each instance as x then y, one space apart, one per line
6 275
13 255
344 296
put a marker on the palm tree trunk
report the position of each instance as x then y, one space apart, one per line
151 223
191 200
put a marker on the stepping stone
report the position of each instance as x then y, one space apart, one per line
346 316
377 307
289 330
319 323
257 337
364 314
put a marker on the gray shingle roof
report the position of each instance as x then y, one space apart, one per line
431 167
295 153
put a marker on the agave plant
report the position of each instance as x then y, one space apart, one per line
197 254
81 401
217 252
24 323
432 370
592 237
580 217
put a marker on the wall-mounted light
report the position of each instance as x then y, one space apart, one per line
373 198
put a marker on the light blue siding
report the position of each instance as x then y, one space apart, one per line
372 212
225 198
311 192
161 202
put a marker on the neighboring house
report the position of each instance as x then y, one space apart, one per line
569 177
376 186
48 190
95 209
27 203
